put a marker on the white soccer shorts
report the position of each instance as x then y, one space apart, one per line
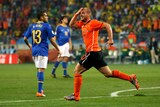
64 50
40 61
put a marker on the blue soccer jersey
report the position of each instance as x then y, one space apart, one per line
62 35
40 33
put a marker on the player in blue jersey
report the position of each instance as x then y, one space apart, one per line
40 32
64 41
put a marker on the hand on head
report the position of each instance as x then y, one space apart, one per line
79 11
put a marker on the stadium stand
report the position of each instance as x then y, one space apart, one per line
142 17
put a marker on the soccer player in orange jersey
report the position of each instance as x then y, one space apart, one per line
93 57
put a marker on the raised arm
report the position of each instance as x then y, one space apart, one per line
110 33
70 44
72 23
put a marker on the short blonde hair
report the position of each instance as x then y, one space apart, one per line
87 10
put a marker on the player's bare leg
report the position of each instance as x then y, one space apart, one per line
77 83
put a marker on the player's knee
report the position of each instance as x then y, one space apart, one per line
41 69
108 75
76 72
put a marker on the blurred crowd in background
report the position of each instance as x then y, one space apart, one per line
127 17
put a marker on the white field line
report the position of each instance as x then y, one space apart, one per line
113 94
21 101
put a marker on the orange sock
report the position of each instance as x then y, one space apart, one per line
121 75
77 85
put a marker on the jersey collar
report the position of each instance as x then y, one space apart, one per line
40 22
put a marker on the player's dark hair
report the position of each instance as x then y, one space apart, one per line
61 18
41 13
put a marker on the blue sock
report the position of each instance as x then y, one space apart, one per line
37 77
64 64
40 81
37 74
65 72
55 66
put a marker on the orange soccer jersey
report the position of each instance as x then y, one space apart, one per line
90 32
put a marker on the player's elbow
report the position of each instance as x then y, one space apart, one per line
70 25
24 38
106 25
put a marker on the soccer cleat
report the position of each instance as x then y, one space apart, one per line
67 76
71 98
53 75
134 81
40 94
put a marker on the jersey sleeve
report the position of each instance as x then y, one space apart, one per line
57 31
28 33
96 24
50 31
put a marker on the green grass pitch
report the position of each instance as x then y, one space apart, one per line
18 86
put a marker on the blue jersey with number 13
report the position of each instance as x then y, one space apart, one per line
40 32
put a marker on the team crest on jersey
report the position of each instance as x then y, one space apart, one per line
68 30
66 33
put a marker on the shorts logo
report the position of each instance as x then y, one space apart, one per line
84 57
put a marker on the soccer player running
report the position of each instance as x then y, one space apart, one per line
40 32
65 45
93 57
